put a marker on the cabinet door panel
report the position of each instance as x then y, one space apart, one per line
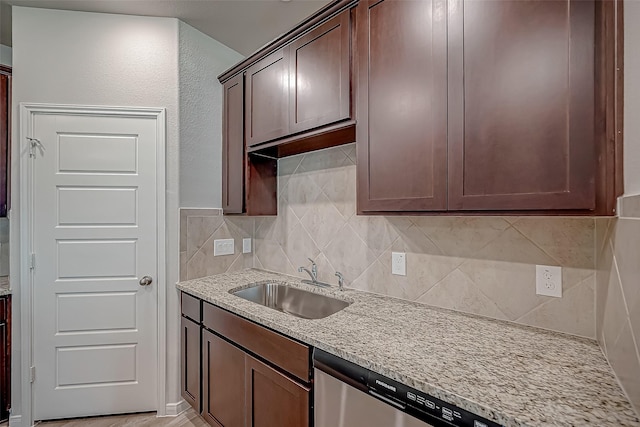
402 99
273 399
320 70
223 382
267 99
521 105
233 162
190 362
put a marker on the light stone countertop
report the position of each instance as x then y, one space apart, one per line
511 374
4 286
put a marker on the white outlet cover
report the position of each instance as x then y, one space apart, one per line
399 263
549 280
246 246
223 247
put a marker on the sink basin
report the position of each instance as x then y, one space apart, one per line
294 301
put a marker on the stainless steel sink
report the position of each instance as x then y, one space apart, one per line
287 299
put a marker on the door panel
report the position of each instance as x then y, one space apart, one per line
267 99
233 153
402 99
223 380
190 341
521 105
320 75
273 399
95 236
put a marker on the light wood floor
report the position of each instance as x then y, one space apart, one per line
187 419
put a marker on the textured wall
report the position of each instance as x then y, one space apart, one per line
66 57
482 265
618 294
5 55
631 98
201 59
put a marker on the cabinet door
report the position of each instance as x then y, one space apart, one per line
267 99
190 362
521 105
273 399
402 105
320 75
223 382
233 161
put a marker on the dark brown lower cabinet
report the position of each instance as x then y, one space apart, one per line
190 362
223 383
273 399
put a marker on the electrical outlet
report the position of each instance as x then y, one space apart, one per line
399 263
223 247
246 246
549 281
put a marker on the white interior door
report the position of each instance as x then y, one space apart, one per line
94 238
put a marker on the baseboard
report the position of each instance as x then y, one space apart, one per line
15 421
174 409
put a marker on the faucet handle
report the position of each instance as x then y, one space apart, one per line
312 261
340 280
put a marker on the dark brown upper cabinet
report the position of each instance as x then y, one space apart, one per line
319 63
233 152
267 99
469 106
302 86
402 105
521 105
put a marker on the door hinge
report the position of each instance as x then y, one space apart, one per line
32 262
33 373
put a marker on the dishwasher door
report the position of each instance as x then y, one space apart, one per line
337 404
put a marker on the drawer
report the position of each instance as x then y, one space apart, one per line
282 351
191 307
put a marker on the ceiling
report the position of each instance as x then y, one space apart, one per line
243 25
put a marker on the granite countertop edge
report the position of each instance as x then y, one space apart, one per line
215 289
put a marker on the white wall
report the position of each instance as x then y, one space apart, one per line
98 59
201 59
5 55
631 98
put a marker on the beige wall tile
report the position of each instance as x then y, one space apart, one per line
199 230
458 292
623 356
461 237
573 313
626 250
630 206
570 241
349 254
323 221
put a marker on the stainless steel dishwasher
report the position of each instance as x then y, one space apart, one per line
348 395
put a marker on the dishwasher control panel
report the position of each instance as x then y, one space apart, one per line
433 411
417 403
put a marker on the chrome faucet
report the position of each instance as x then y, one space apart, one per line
313 273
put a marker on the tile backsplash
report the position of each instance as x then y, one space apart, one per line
618 294
481 265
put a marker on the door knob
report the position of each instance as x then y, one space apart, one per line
146 281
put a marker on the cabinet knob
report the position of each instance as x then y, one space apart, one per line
146 281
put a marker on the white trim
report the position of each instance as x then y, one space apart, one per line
27 112
175 409
15 421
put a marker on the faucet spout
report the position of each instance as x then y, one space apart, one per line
313 276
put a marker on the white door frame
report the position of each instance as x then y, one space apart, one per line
27 113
